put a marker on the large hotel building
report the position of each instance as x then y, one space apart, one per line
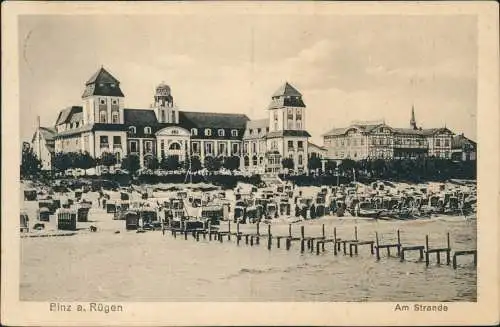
102 124
376 140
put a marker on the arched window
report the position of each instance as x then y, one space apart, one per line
102 116
254 160
261 160
300 159
175 146
147 130
220 132
247 161
114 117
194 131
163 116
234 132
208 132
132 130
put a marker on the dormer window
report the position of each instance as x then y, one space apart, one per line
147 130
194 131
101 84
132 130
220 132
113 85
234 132
208 132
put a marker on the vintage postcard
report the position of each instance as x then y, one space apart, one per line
250 163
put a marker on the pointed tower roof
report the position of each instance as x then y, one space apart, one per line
288 90
413 122
102 76
102 83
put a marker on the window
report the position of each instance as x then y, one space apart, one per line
114 101
247 161
254 160
261 161
254 147
220 132
209 149
118 157
147 130
235 148
275 116
208 132
259 130
245 147
438 154
446 142
438 142
175 146
195 147
298 115
114 117
300 160
222 149
102 116
132 130
117 140
194 131
133 146
148 145
102 101
298 125
113 85
290 145
103 140
163 115
250 131
300 144
267 129
234 132
162 148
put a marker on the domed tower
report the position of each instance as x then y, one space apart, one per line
164 104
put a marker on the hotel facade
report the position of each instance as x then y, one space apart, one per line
377 140
103 124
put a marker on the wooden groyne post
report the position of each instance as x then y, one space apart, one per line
289 239
438 251
229 230
269 237
238 235
427 250
462 253
377 249
335 241
302 239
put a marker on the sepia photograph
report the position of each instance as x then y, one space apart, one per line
244 156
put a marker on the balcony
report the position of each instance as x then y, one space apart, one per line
117 146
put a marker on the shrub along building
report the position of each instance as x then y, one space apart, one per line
376 140
102 124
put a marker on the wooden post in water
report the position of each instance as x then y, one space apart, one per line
455 261
251 240
355 233
288 243
427 250
209 231
302 239
323 231
238 236
377 250
258 224
197 236
448 249
269 237
289 230
229 230
335 240
399 244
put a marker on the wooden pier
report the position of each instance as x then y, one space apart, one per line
317 243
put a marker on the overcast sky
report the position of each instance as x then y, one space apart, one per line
347 67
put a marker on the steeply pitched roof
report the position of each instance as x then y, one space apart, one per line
459 141
102 83
102 76
139 117
286 102
66 114
322 148
286 90
47 134
190 119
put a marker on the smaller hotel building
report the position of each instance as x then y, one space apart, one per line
377 140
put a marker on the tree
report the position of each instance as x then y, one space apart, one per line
195 163
131 163
62 161
107 159
287 163
330 166
314 162
170 163
231 163
212 163
84 161
152 163
30 164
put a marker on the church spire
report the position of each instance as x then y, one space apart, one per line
413 122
